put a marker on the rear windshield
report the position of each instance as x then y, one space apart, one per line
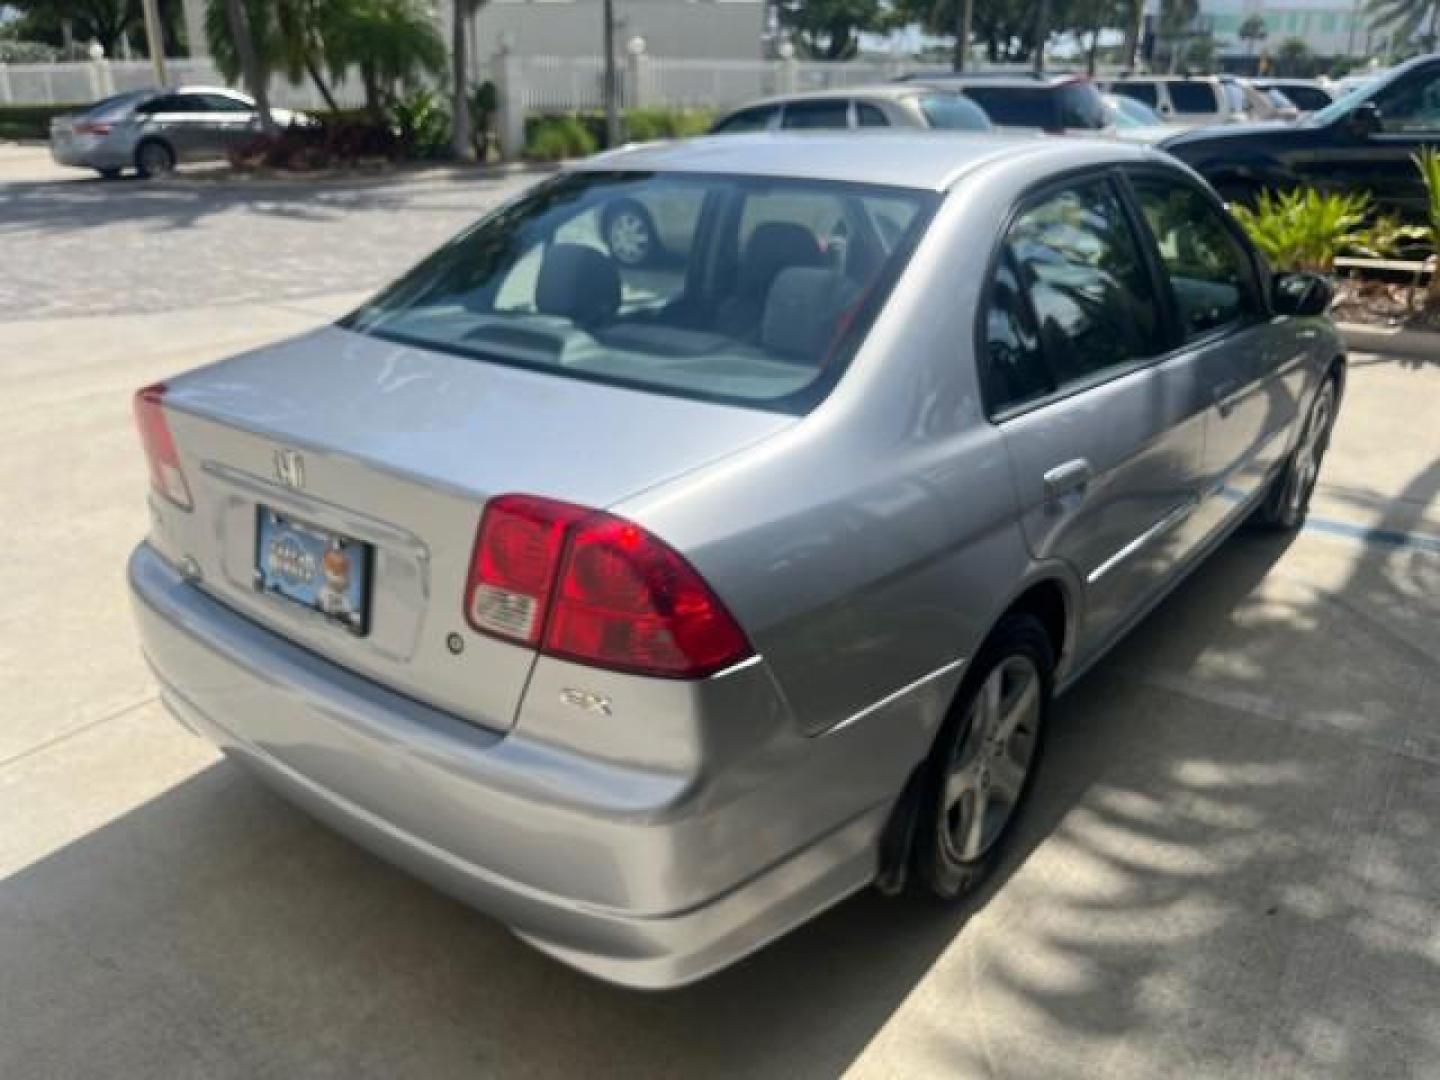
951 112
738 289
1192 97
117 103
1015 106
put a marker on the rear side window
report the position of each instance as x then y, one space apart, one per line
756 119
817 114
869 116
170 103
1141 91
1210 273
1015 371
1081 266
951 112
1015 106
1193 97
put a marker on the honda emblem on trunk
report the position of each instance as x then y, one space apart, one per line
290 468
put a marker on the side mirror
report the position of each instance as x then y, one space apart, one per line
1301 294
1363 120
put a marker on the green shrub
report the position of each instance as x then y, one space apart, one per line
555 138
31 121
1304 229
645 125
423 124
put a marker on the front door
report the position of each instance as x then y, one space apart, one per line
1102 427
1240 357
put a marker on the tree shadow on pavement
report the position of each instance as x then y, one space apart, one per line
1230 867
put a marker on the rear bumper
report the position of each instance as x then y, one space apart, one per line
481 816
96 155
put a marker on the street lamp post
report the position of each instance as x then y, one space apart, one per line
612 89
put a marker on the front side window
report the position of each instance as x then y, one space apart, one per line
817 114
1210 273
1192 98
1412 105
951 112
867 115
1081 265
758 290
756 119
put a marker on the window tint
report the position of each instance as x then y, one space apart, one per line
1209 272
220 103
817 114
1015 106
1305 97
1081 265
758 300
1015 370
1143 92
756 119
951 112
869 115
1413 104
170 103
1081 107
1193 97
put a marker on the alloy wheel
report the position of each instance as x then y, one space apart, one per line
628 236
987 775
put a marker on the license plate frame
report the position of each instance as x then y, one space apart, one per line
314 568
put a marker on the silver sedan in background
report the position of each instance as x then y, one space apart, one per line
654 612
152 131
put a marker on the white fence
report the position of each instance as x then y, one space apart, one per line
78 83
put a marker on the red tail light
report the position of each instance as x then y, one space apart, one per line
595 588
165 475
92 127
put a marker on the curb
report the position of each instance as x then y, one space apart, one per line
229 179
1394 340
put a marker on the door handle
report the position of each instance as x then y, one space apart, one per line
1067 477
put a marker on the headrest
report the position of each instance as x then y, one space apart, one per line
772 247
578 283
801 309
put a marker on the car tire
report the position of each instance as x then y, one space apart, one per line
629 233
109 174
1287 502
154 158
984 760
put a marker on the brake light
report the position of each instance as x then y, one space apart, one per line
165 475
93 127
594 588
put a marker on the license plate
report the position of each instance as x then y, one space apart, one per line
315 568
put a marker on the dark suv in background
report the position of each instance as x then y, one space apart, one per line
1363 142
1053 103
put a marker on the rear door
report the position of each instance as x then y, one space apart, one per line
1103 429
1240 358
232 121
185 122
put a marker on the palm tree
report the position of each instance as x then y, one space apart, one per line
1252 30
1404 18
1175 17
461 122
257 77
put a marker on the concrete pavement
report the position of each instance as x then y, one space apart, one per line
1231 867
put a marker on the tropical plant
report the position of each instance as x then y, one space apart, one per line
1253 29
1304 229
1405 20
422 123
555 138
394 43
645 125
1292 57
1428 162
831 29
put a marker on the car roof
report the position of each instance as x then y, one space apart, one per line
886 91
926 160
1007 79
1174 78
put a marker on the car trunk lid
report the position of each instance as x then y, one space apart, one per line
388 453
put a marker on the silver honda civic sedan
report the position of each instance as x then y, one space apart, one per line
655 609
